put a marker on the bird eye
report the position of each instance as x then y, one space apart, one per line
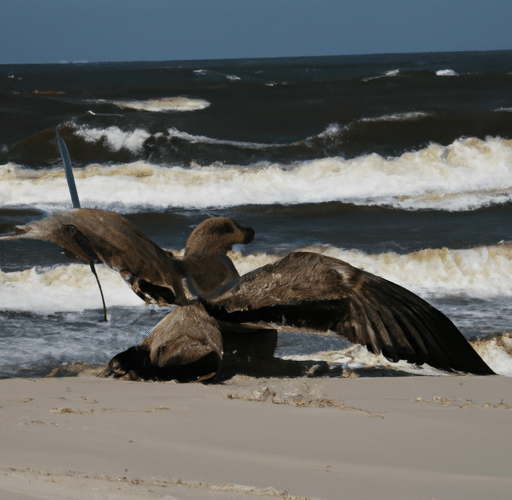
224 228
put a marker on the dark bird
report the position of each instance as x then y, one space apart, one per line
186 345
206 260
155 275
318 292
303 289
96 236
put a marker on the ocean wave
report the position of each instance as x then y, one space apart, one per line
115 138
162 104
63 288
466 175
495 351
412 115
446 72
387 74
197 139
481 273
111 135
397 72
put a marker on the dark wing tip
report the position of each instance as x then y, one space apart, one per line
404 326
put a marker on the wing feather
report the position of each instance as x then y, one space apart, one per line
100 235
320 292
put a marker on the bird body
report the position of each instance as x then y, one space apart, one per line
303 289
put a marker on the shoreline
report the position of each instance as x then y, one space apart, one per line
318 438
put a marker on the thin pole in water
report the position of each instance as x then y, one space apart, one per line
66 160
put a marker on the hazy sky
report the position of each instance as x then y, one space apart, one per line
49 31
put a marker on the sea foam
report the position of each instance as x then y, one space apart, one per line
476 276
63 288
165 104
481 273
160 105
446 72
115 138
496 352
467 174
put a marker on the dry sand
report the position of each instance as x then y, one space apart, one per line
446 437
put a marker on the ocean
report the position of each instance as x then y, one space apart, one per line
400 164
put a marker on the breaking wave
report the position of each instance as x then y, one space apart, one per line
481 273
465 175
161 105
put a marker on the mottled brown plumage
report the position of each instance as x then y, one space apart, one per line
185 335
185 345
95 236
322 293
303 289
207 264
188 344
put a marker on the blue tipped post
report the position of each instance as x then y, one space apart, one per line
66 160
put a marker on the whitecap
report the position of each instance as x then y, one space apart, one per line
411 115
394 72
63 288
468 174
115 138
165 104
446 72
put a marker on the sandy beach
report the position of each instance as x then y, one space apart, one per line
445 437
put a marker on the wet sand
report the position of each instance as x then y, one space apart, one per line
445 437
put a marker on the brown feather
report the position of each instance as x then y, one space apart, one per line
205 258
321 292
116 242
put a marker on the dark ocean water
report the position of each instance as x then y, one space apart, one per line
400 164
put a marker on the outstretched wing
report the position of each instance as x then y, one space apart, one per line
318 292
102 236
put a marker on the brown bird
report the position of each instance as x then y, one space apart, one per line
303 289
318 292
96 236
153 273
187 342
156 276
206 260
186 345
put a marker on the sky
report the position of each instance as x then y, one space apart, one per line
51 31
